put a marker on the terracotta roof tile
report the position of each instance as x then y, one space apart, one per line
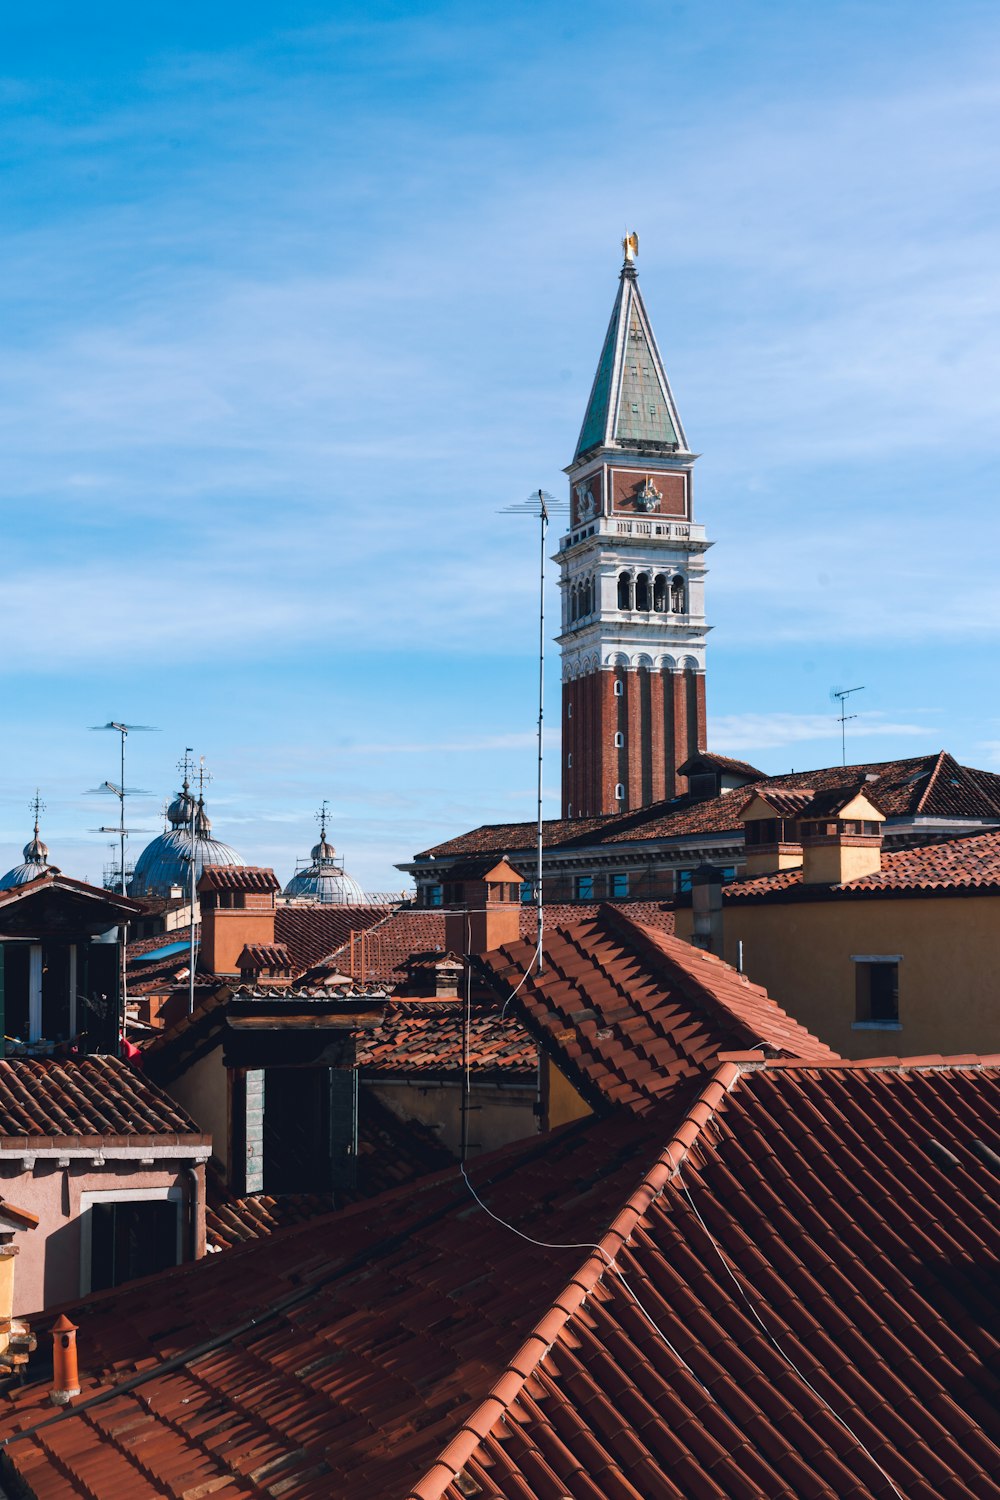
921 786
425 1036
971 862
84 1096
778 1327
630 1012
238 878
264 956
312 930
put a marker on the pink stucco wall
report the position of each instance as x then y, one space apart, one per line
48 1264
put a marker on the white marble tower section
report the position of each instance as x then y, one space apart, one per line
632 571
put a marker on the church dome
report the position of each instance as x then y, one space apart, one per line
36 861
324 879
166 862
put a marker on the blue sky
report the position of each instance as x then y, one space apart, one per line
293 299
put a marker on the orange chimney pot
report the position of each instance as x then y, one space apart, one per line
65 1373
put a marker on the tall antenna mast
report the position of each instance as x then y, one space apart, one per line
121 791
841 695
541 504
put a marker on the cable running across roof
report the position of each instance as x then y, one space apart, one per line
610 1265
774 1342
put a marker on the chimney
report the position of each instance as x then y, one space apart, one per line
706 904
65 1376
237 910
484 901
841 838
771 835
447 975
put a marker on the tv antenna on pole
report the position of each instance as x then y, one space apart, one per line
195 806
840 696
541 504
121 791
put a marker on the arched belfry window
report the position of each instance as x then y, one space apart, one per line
642 592
624 591
660 593
619 740
677 595
619 792
619 688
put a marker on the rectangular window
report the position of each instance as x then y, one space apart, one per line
876 991
527 892
683 879
618 885
434 895
583 887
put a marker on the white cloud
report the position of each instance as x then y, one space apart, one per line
731 733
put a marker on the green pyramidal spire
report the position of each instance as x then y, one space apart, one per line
631 405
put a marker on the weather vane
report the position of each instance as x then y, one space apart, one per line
630 245
37 806
321 817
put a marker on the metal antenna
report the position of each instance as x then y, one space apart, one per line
541 504
120 790
187 765
841 695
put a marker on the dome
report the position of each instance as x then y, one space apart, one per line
324 878
166 862
36 862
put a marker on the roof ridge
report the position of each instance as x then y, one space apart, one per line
480 1422
932 778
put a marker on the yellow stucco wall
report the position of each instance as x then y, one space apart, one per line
949 982
203 1091
562 1102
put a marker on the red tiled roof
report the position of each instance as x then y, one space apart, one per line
709 759
238 878
921 786
84 1096
630 1013
236 1221
311 931
789 1294
425 1037
971 862
161 974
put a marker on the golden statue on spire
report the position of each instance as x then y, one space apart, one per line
630 244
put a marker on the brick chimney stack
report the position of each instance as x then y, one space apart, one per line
237 911
483 901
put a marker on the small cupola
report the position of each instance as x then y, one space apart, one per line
483 901
772 838
841 837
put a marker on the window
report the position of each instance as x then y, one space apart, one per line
624 591
528 887
128 1232
876 990
619 688
619 740
677 603
569 759
618 885
642 591
569 710
619 792
660 593
583 887
434 895
683 879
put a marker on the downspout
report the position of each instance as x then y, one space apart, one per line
196 1207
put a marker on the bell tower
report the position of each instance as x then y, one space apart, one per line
632 570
